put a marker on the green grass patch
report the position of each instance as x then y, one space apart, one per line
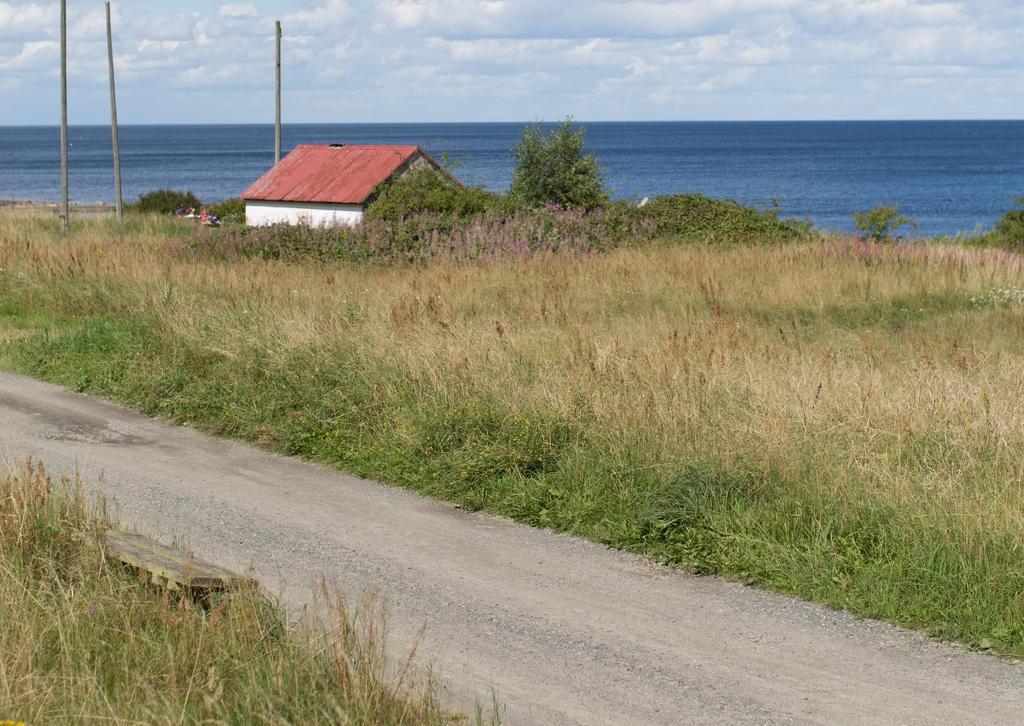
777 527
892 313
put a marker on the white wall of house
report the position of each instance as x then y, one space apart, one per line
261 214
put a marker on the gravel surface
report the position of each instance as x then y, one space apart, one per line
564 631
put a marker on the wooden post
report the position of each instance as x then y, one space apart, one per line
118 201
65 206
277 94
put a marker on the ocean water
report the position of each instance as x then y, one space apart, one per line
950 176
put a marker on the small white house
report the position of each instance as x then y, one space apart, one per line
321 185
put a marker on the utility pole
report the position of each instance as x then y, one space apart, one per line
65 207
277 98
118 201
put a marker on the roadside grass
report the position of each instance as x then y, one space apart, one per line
845 424
83 639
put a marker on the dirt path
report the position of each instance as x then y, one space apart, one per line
565 631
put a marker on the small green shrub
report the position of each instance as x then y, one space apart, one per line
881 223
165 201
230 210
1010 228
553 169
694 217
432 192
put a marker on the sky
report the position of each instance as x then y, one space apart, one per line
519 60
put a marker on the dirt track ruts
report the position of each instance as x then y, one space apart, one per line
566 631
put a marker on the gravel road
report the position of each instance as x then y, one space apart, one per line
563 630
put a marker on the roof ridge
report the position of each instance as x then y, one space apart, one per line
332 174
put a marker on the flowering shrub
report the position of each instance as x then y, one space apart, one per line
551 229
424 237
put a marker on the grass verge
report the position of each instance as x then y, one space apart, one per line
84 639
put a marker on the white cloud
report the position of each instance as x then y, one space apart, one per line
241 10
17 19
321 20
36 53
514 59
220 74
406 14
452 16
497 50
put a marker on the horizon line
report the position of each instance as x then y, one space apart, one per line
524 122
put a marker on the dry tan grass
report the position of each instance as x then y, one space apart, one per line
86 640
726 352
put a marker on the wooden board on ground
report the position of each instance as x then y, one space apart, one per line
167 565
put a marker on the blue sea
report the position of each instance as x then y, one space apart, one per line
950 176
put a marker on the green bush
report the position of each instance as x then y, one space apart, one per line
553 169
165 201
429 191
881 223
1010 228
694 217
230 210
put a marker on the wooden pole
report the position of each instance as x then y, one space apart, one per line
277 94
118 201
65 207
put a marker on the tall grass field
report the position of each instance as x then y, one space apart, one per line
837 420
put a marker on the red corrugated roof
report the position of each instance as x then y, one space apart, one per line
330 174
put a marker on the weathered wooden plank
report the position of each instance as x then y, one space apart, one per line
168 565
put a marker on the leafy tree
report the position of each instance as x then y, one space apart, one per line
554 169
881 223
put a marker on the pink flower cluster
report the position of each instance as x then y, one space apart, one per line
425 237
